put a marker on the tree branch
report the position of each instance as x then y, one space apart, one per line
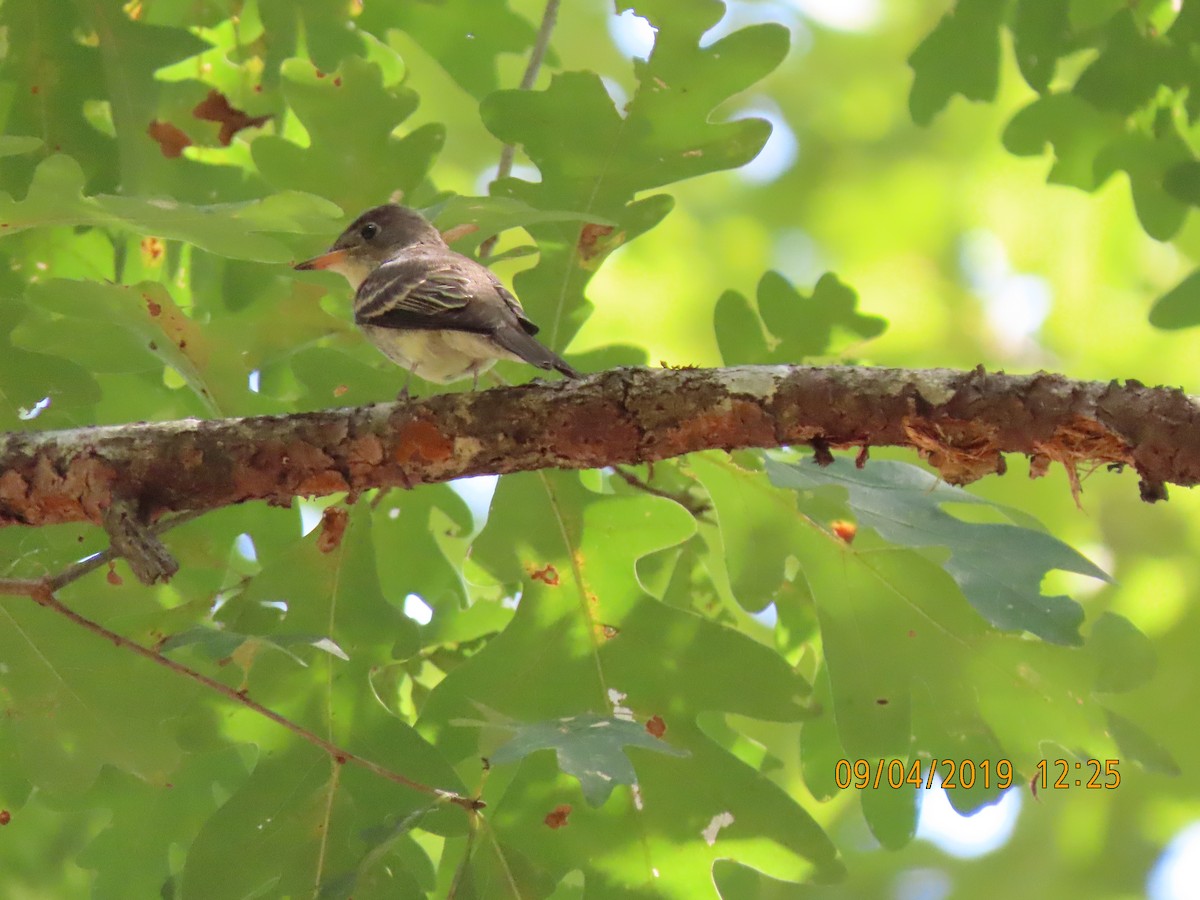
538 52
960 422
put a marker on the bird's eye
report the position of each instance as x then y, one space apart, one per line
369 231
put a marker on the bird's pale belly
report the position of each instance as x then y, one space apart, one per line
441 356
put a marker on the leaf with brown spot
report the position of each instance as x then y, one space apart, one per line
845 530
152 251
998 567
216 108
333 526
557 817
547 575
171 139
593 244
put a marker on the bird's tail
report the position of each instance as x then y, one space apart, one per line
533 351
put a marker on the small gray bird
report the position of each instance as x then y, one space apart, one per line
439 314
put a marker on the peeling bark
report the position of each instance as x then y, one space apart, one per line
960 422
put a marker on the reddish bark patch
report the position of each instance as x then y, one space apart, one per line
319 484
738 424
420 440
557 817
364 453
217 108
961 450
595 432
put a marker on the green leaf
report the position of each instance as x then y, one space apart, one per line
1138 747
56 198
352 157
218 645
1131 68
294 824
15 145
466 37
804 326
1041 35
1147 160
1180 306
585 632
594 159
960 56
1093 13
739 330
588 747
755 530
315 26
1124 656
66 693
1075 130
333 592
796 326
999 567
1182 181
493 215
60 71
132 854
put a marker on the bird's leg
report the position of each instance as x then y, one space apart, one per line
404 392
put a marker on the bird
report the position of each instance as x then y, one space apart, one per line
439 314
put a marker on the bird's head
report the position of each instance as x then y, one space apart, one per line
375 236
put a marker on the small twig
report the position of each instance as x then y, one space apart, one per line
537 54
134 541
43 594
19 587
461 870
696 507
81 568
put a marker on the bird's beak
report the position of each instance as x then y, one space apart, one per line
331 260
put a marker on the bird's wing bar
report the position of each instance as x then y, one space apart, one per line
410 295
411 288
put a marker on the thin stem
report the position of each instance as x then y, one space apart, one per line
19 587
536 56
335 777
593 626
696 507
43 594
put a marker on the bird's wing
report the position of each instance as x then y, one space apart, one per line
409 292
511 301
